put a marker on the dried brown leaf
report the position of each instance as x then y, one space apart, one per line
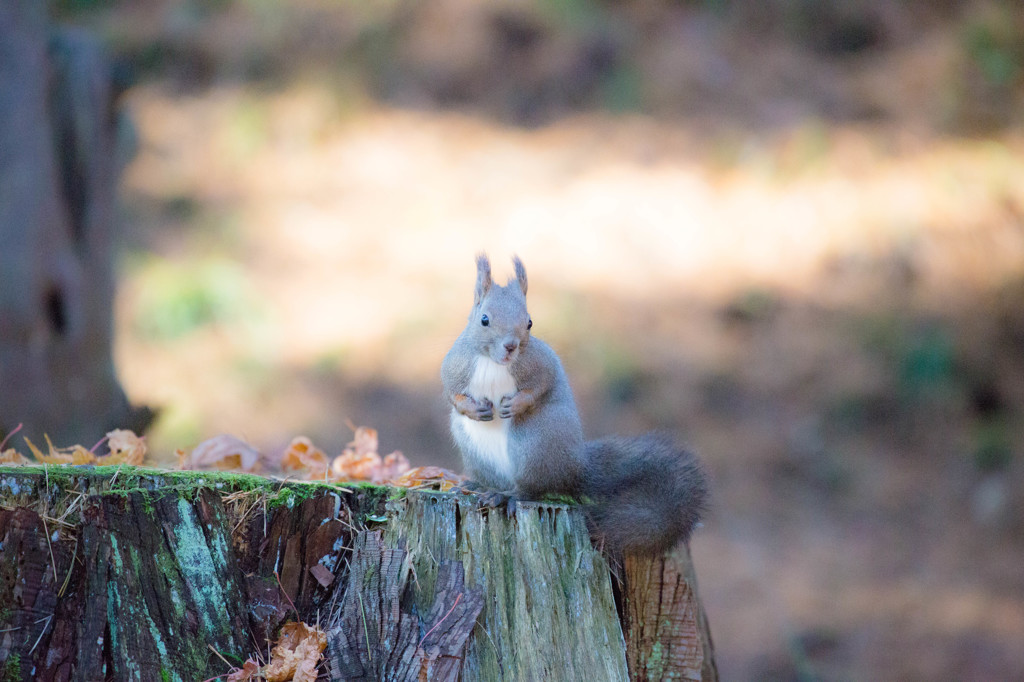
443 479
301 454
297 653
394 465
76 454
322 574
12 456
352 466
249 672
125 448
360 461
364 442
79 455
222 452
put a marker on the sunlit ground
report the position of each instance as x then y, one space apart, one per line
296 269
288 238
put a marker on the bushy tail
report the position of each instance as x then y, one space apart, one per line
646 493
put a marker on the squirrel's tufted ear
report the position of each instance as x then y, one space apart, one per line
483 278
520 273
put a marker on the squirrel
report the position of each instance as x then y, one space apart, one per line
514 419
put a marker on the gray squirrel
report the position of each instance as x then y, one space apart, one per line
514 419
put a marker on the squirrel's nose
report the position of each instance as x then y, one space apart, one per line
510 346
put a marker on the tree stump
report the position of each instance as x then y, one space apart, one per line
138 574
58 177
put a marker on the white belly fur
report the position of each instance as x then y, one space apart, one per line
492 381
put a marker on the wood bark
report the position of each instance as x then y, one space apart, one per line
377 637
58 176
667 633
135 574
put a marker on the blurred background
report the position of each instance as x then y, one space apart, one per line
789 231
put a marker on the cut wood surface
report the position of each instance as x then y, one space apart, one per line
140 574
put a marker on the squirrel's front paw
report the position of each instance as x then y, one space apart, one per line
513 405
478 410
484 411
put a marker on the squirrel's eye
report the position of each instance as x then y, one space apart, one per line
485 320
529 324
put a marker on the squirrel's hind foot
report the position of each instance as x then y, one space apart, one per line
496 500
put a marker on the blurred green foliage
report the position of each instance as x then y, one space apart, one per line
249 128
175 299
996 46
622 90
178 423
331 362
70 6
987 88
532 61
756 304
993 447
921 356
926 361
622 375
181 207
572 14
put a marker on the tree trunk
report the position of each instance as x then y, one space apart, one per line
136 574
58 177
